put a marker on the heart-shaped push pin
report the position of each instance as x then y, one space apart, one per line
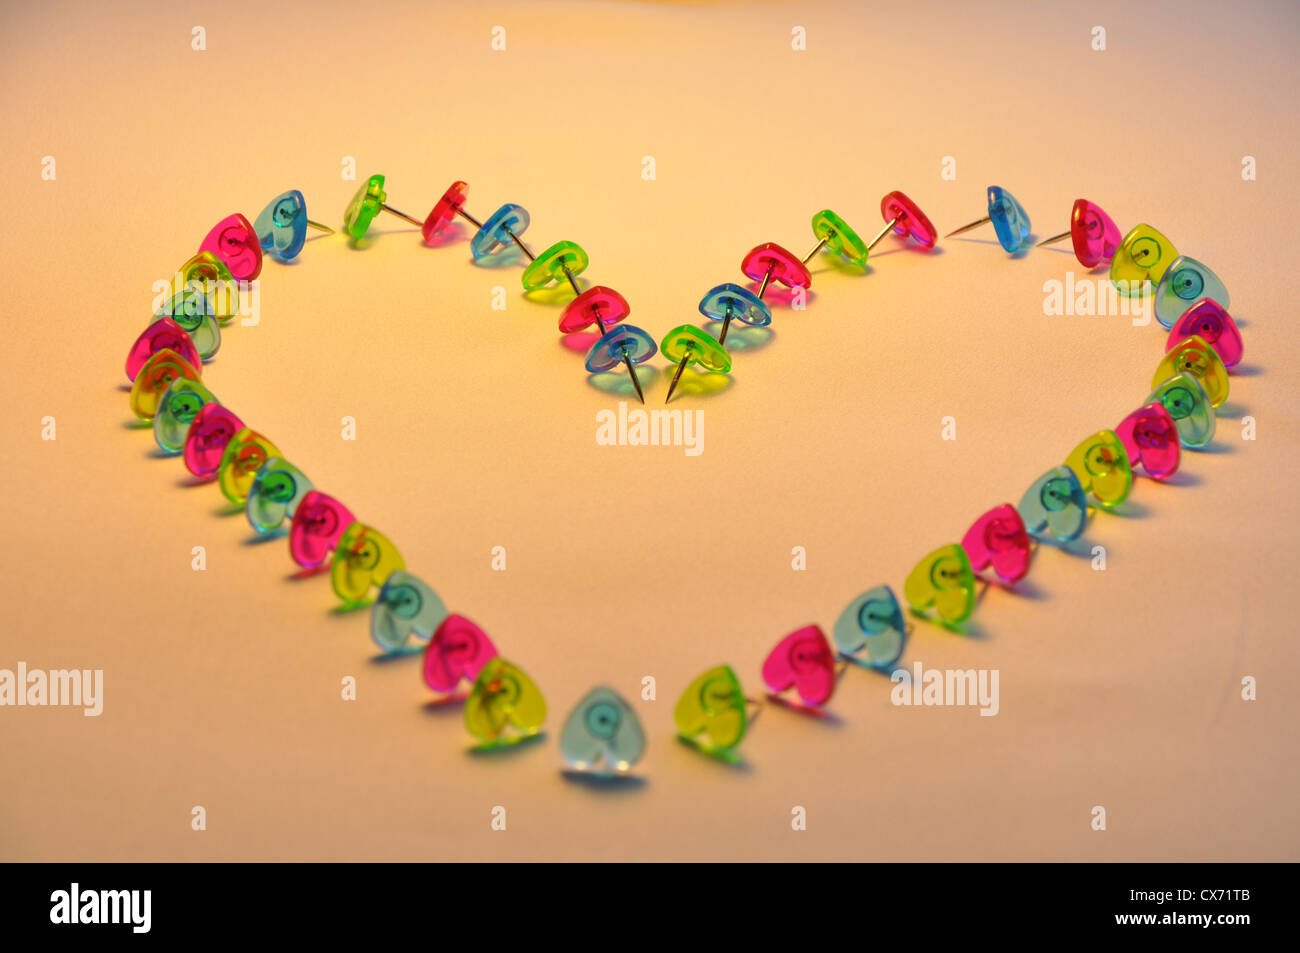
1189 406
505 706
235 242
274 496
1209 321
1010 221
195 313
457 651
207 287
1197 358
211 430
835 235
1144 255
406 606
1055 503
243 457
563 261
625 344
687 344
165 334
317 527
907 220
945 581
598 305
770 262
500 232
603 735
999 539
1102 466
804 661
1093 233
154 377
873 621
282 226
728 302
1150 437
363 558
176 410
445 209
711 714
1185 282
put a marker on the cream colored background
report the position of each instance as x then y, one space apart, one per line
477 428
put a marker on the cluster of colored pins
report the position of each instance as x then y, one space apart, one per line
1097 475
603 735
620 345
688 344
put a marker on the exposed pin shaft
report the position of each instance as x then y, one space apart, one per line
413 221
883 232
631 372
319 227
726 323
678 376
522 247
468 217
967 228
1053 239
762 289
816 248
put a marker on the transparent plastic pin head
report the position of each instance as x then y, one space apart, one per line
282 226
364 558
711 712
366 203
999 539
457 652
597 307
277 489
602 735
697 347
444 210
1184 283
1010 221
1055 504
1143 256
1211 322
624 341
805 662
211 431
177 409
1102 466
770 262
1150 438
240 462
1093 233
163 334
317 527
1189 406
1197 358
872 622
840 239
559 263
195 312
495 235
157 374
942 581
235 242
407 607
731 301
504 706
908 219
